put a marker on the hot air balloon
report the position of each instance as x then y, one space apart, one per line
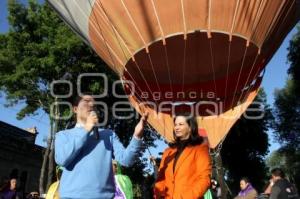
203 56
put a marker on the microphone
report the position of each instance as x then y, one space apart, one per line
95 128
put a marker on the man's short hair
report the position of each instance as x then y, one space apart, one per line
76 98
278 172
245 179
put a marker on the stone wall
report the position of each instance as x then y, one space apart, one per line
19 157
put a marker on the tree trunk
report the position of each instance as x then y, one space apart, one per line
50 167
51 154
51 158
43 169
45 161
220 176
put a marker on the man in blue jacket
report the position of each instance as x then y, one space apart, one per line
86 161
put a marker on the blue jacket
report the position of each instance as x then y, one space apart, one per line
87 162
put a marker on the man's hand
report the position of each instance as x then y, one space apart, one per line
139 128
91 121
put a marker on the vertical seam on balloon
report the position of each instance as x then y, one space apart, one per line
234 19
158 21
117 35
212 65
153 70
134 25
213 71
184 63
168 67
209 19
164 42
183 19
109 49
226 84
277 17
255 22
254 30
228 66
242 66
246 13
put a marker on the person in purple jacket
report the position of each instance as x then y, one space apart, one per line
10 192
247 190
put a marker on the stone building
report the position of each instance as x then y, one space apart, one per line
20 157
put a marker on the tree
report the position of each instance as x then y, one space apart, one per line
294 60
275 159
37 50
288 159
246 145
287 114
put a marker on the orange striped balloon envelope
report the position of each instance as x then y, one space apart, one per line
202 56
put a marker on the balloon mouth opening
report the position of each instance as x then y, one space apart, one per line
208 59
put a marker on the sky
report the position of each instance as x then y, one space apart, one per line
275 77
8 115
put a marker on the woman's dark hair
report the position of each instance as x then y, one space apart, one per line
195 138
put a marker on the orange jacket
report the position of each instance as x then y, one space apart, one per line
191 177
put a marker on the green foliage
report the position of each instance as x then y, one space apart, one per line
38 49
137 191
287 100
275 159
287 115
294 60
286 158
246 145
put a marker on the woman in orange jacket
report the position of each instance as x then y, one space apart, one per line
185 168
